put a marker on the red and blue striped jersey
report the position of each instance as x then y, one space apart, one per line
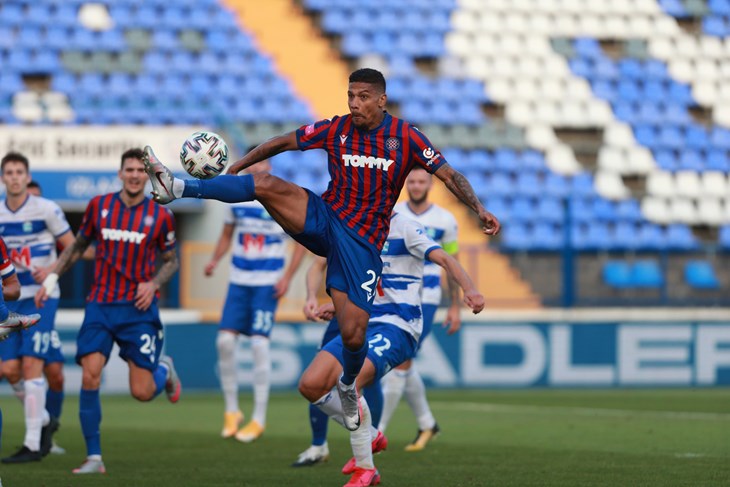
368 168
7 268
127 241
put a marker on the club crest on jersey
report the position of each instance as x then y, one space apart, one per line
104 213
369 161
343 138
149 220
392 143
27 227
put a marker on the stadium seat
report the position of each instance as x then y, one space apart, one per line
680 237
617 274
700 274
646 273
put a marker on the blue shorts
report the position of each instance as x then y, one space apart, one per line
249 310
40 341
389 346
429 310
138 333
353 264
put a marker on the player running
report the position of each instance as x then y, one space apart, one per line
33 227
257 281
129 230
441 226
370 153
395 327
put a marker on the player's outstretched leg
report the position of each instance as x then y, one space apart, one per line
393 386
90 418
166 187
16 322
364 472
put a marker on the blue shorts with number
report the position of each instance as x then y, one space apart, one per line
249 310
40 341
353 264
138 333
428 310
388 347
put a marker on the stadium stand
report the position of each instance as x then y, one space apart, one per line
600 126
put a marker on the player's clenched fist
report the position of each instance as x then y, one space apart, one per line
474 300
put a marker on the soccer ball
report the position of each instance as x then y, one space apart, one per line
204 155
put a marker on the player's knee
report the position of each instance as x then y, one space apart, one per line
90 379
354 340
225 343
11 373
55 381
310 388
142 392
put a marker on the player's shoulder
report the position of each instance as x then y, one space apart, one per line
443 214
43 203
402 223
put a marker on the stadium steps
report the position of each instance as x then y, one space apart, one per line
302 55
500 283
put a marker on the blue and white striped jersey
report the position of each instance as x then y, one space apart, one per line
259 246
441 226
398 298
30 233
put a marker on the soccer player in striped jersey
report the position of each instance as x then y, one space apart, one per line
130 231
10 322
441 226
370 153
396 324
257 281
33 227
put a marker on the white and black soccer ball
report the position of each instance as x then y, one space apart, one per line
204 155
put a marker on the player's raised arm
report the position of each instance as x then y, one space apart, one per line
460 187
266 150
472 297
65 261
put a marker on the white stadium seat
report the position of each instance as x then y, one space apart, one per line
683 211
611 186
656 210
714 184
711 211
660 184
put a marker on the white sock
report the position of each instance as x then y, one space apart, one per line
19 390
261 377
178 185
94 457
393 385
330 405
361 439
226 344
35 407
416 397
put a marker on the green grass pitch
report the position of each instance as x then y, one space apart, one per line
663 437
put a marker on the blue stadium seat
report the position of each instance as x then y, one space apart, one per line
720 137
500 184
528 184
631 68
646 135
582 184
29 37
597 236
556 185
720 7
546 236
677 115
700 274
498 206
646 273
480 160
724 237
92 84
680 237
714 25
674 8
691 160
666 159
604 210
670 137
654 91
626 111
550 210
605 90
617 274
681 94
629 90
581 67
717 160
628 210
64 16
696 137
522 209
651 113
581 209
651 237
624 235
656 70
516 237
11 14
532 160
505 160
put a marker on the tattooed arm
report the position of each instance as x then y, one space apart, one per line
146 291
65 261
460 187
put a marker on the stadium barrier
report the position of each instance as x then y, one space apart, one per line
548 348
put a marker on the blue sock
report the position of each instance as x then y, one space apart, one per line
227 188
90 417
4 311
318 421
374 396
54 403
160 377
352 363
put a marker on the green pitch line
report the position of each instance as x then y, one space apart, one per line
490 438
